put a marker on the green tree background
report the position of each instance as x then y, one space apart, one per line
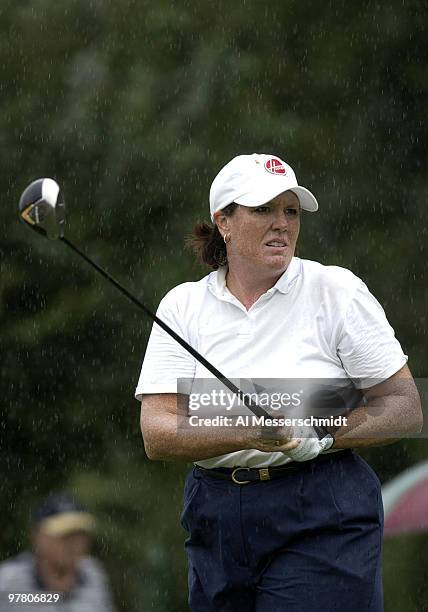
133 107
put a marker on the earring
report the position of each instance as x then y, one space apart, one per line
226 238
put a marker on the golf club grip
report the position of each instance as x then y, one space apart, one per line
255 409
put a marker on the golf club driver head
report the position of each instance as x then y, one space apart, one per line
42 208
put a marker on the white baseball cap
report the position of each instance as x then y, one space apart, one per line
253 180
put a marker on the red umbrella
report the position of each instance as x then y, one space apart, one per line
405 501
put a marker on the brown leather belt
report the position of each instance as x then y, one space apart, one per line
245 475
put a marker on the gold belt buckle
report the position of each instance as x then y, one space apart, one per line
264 474
240 482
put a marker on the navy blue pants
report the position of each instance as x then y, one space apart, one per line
311 540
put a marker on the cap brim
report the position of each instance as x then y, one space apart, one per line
254 198
68 522
307 199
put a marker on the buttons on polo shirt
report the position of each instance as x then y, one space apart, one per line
245 329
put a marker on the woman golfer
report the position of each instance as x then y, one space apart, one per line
290 520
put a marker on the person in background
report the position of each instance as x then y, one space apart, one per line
59 562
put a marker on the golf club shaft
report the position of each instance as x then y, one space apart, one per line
255 409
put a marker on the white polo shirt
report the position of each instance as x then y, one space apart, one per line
316 322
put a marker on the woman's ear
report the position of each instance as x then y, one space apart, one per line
222 222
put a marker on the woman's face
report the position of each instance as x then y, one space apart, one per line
264 237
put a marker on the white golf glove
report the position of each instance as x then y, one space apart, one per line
310 445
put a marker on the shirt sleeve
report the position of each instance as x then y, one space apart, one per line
367 346
166 360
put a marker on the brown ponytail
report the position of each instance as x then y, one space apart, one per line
207 243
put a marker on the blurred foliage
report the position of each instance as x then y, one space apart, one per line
133 107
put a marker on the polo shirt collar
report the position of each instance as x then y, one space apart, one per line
217 279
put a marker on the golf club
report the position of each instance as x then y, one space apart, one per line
42 207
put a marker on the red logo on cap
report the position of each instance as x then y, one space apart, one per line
275 166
